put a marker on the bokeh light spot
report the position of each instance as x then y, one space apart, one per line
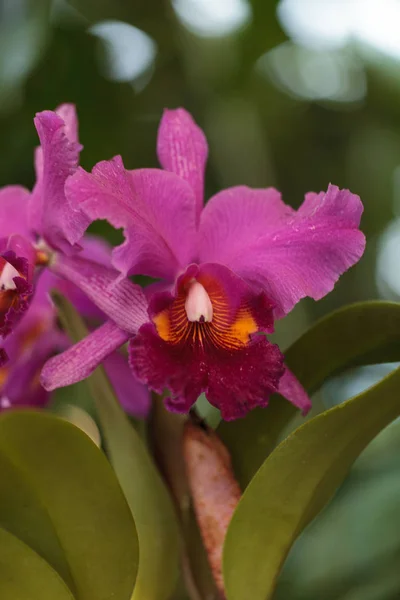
213 17
335 23
129 52
307 73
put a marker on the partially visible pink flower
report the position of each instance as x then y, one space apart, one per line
17 259
39 220
15 281
36 338
227 270
35 230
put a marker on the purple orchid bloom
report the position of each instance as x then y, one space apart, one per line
226 270
39 221
35 228
17 258
43 225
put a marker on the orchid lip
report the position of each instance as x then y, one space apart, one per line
198 305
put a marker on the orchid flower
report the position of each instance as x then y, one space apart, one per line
226 271
34 229
37 227
39 220
17 258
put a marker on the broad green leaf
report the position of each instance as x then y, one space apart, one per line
295 482
57 490
359 334
24 575
147 496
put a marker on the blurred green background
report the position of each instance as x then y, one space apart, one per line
294 94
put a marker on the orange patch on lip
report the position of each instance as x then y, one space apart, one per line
243 326
222 332
3 375
162 323
8 299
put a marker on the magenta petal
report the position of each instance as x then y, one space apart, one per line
49 212
13 211
150 204
95 249
79 361
182 148
67 112
122 301
290 254
235 382
22 387
291 389
133 395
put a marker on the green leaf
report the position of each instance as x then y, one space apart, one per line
295 482
58 492
146 493
24 575
359 334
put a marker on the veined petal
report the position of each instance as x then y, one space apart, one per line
182 148
289 254
155 208
57 158
79 361
120 299
13 211
95 249
223 357
133 395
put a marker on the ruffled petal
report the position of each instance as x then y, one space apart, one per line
289 254
234 382
121 300
182 148
150 204
79 361
291 389
133 395
13 211
50 214
17 258
224 356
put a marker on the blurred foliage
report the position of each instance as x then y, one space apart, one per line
261 132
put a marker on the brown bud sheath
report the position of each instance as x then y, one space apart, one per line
214 490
